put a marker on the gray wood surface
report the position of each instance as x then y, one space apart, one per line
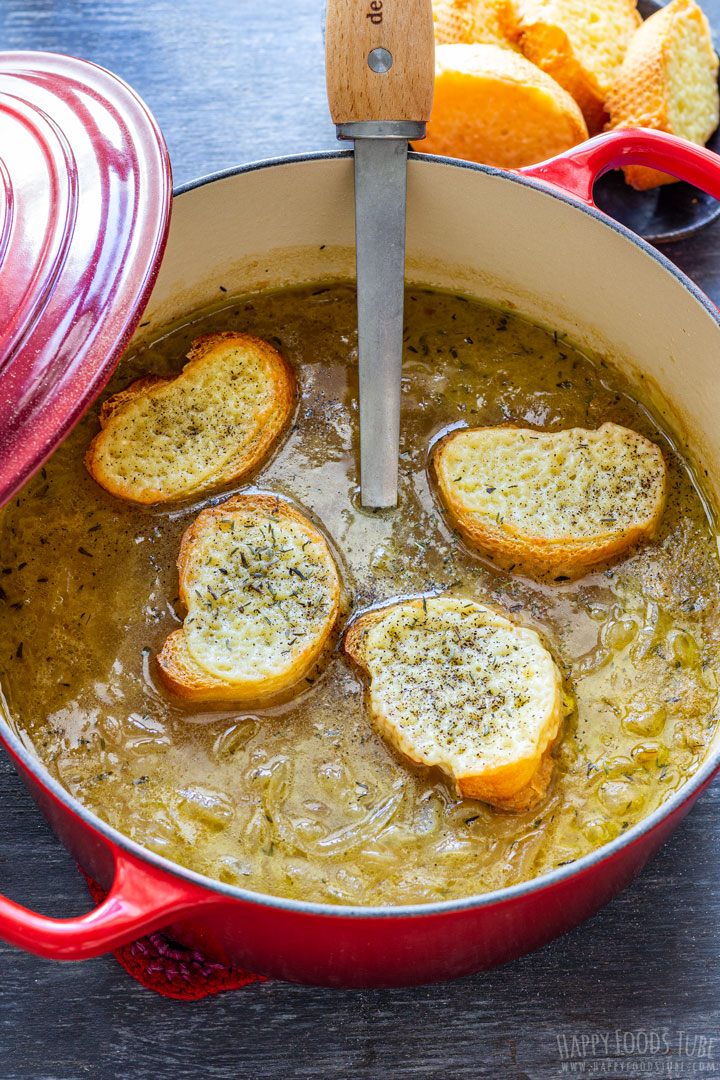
232 82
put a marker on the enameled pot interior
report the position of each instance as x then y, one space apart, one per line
476 231
472 230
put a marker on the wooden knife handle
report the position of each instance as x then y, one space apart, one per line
356 92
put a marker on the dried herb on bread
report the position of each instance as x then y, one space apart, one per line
262 594
558 502
166 438
456 684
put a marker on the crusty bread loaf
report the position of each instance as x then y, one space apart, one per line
455 684
469 22
667 81
167 438
262 594
581 43
493 106
559 502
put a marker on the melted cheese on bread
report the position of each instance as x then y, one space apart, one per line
168 438
556 502
262 595
455 684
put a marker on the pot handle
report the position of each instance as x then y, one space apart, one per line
576 171
141 899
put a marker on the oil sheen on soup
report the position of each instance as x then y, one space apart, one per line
303 798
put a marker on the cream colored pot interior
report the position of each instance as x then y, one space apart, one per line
469 231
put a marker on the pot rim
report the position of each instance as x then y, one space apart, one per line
709 768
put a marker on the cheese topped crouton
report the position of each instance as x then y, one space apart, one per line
262 594
472 21
559 502
457 685
581 43
668 81
167 438
493 106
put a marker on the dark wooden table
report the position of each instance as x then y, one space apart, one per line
232 81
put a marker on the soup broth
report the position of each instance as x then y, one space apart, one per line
302 798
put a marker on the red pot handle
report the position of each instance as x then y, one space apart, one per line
142 899
576 171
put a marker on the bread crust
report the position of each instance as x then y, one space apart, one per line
641 95
517 784
493 106
471 22
254 442
181 672
545 35
539 556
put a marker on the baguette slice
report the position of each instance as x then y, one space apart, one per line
581 43
560 502
493 106
469 22
166 438
262 594
668 81
458 685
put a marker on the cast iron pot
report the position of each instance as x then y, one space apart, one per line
533 241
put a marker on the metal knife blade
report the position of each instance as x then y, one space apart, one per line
380 74
380 199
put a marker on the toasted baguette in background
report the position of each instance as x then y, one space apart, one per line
469 22
457 685
559 502
262 594
493 106
581 43
668 81
167 438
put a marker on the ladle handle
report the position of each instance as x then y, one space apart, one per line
361 38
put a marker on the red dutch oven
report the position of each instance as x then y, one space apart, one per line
532 240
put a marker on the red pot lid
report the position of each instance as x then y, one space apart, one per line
85 194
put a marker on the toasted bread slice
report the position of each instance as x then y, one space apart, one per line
493 106
166 438
581 43
469 22
262 594
558 502
458 685
668 81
